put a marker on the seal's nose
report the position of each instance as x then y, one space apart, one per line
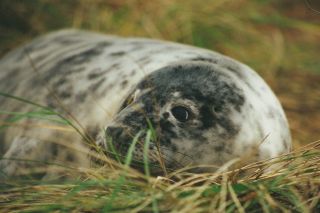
114 132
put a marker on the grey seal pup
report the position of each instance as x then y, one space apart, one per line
205 108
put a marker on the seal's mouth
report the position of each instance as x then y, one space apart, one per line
135 159
139 151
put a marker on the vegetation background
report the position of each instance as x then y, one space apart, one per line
279 39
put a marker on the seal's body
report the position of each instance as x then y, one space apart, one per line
205 108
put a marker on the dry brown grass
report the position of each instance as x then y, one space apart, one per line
292 185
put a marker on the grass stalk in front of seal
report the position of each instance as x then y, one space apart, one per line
293 186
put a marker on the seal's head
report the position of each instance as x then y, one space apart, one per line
190 106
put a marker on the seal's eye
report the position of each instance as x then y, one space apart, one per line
181 113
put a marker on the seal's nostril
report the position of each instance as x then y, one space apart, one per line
114 132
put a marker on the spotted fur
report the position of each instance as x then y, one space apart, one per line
117 86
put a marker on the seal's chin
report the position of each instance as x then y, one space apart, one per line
154 169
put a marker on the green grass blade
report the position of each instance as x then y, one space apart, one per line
146 153
113 150
131 149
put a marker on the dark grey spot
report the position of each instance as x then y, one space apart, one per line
60 82
210 60
124 83
95 73
220 148
114 66
285 144
272 113
120 53
97 85
64 95
260 131
81 97
70 157
132 73
144 60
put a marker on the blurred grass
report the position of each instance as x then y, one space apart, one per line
292 187
259 33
